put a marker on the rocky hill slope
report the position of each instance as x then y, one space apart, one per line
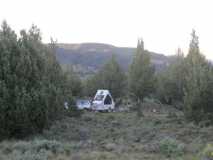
91 56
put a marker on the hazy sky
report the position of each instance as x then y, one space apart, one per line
164 25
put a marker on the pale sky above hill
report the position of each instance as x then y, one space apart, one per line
164 25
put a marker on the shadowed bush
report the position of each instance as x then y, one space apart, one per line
171 147
31 83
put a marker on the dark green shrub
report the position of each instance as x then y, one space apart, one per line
73 111
207 152
31 83
171 147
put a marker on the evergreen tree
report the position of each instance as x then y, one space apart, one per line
110 77
73 82
90 85
31 92
141 76
198 90
171 81
113 78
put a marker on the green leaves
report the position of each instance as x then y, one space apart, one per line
198 89
110 77
141 74
30 93
171 81
190 81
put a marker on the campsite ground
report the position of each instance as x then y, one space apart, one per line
117 135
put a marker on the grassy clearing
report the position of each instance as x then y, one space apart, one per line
121 135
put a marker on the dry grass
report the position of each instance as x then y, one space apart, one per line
121 135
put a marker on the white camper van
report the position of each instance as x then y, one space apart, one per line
103 101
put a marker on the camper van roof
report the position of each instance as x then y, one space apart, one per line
103 91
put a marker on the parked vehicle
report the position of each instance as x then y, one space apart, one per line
83 104
103 101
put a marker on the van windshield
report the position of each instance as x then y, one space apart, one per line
99 97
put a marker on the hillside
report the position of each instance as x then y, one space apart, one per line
89 57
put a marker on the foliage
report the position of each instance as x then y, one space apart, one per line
90 85
207 152
110 77
141 76
73 111
188 84
171 147
31 83
171 81
33 150
199 85
120 135
113 78
73 82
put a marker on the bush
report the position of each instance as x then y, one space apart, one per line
33 150
31 83
171 147
73 111
207 152
110 77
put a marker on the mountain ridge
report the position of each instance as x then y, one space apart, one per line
92 56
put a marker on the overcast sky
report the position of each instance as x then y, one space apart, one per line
164 25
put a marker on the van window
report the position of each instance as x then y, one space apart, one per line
99 97
108 100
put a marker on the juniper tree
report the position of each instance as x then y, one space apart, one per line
73 82
171 81
199 84
110 77
141 76
113 78
31 92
